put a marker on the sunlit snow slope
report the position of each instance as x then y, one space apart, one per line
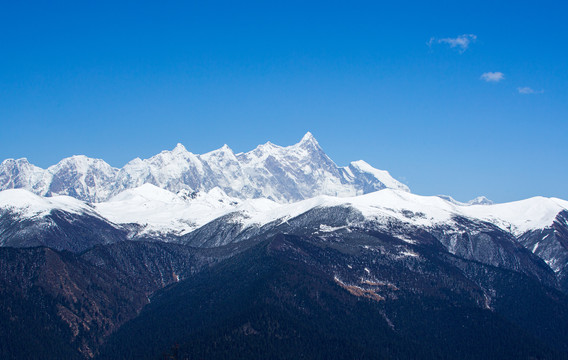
156 210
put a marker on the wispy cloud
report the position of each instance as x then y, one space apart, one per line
461 42
493 76
525 90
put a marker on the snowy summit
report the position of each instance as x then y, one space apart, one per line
282 174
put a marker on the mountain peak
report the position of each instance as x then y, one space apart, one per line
82 161
15 161
480 200
309 139
223 151
179 148
280 173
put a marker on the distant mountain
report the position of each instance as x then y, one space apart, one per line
282 174
480 200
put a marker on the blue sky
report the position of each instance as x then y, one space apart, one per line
398 84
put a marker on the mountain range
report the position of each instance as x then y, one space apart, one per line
282 174
114 257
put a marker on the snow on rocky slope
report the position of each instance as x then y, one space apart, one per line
59 222
282 174
521 216
28 205
159 211
175 193
213 218
426 211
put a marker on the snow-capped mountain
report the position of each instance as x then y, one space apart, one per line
59 222
160 221
483 233
480 200
163 212
77 176
220 198
282 174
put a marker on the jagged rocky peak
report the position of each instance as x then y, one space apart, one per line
20 174
179 148
178 153
225 148
223 152
280 173
15 162
17 165
310 145
260 150
309 140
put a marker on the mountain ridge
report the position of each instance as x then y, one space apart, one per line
486 233
280 173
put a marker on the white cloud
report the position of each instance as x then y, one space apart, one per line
493 76
461 42
525 90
